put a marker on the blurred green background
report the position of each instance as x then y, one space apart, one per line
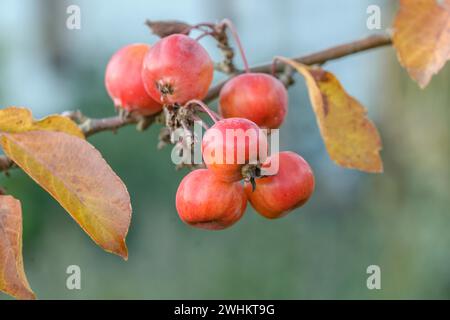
398 220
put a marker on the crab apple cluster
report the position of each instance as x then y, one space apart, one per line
175 73
214 198
141 78
204 200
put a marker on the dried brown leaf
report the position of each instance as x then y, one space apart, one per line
166 28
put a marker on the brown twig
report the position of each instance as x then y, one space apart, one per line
5 164
92 126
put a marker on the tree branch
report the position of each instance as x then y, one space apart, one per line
5 163
320 57
92 126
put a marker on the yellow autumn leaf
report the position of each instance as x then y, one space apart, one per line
58 123
15 119
422 37
13 280
19 119
77 176
351 139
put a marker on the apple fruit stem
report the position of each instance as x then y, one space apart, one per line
204 34
230 25
204 107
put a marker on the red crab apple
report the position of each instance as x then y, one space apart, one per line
123 80
177 69
204 202
274 196
258 97
232 143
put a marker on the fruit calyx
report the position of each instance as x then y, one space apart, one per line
165 88
250 172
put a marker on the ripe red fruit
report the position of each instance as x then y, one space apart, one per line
274 196
204 202
230 144
259 97
177 69
123 80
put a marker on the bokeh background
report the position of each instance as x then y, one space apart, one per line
398 220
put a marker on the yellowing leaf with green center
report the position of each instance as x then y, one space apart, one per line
77 176
18 119
13 280
422 37
351 139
